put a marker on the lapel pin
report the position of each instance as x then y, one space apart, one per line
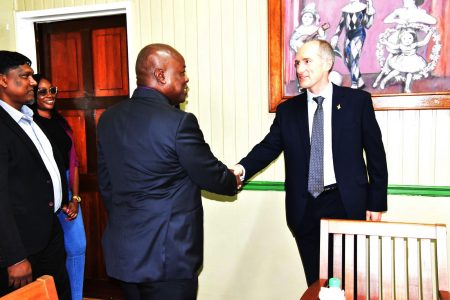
338 106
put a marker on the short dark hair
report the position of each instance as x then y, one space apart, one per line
419 2
11 60
325 49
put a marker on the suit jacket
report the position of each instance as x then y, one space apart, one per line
152 163
354 131
26 194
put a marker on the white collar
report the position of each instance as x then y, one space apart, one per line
24 112
327 93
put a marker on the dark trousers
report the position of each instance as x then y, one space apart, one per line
162 290
49 261
327 205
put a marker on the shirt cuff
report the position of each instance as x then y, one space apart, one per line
242 177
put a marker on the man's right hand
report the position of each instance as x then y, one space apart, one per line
20 274
238 171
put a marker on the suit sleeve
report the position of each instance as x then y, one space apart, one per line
376 159
104 180
198 161
265 152
12 249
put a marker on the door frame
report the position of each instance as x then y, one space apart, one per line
25 20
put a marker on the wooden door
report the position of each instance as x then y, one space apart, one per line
87 60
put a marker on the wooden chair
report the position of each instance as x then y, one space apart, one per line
393 260
42 288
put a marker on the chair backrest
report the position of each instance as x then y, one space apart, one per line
42 288
393 260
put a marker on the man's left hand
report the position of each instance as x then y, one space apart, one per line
373 216
20 274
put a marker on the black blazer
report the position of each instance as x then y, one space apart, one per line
26 194
152 163
354 131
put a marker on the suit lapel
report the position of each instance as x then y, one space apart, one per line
303 123
20 133
336 115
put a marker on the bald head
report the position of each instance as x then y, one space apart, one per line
151 58
162 68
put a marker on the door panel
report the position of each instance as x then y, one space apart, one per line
109 54
65 50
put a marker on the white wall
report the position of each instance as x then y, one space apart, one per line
7 33
249 252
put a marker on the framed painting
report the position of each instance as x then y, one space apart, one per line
398 50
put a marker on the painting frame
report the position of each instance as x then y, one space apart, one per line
276 42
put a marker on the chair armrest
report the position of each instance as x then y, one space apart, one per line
312 293
444 295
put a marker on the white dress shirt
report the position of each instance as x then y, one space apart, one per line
328 168
24 118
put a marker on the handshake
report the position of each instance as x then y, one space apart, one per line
239 173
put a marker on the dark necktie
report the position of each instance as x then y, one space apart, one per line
315 177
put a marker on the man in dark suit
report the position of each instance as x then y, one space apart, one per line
339 184
153 161
31 189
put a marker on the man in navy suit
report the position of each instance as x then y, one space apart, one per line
153 162
350 187
32 186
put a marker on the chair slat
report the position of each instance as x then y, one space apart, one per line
386 267
374 277
427 279
361 267
337 256
413 269
441 232
349 266
400 269
324 235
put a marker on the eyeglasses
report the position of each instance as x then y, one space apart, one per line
43 92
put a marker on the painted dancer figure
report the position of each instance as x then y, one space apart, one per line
402 43
356 17
406 61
